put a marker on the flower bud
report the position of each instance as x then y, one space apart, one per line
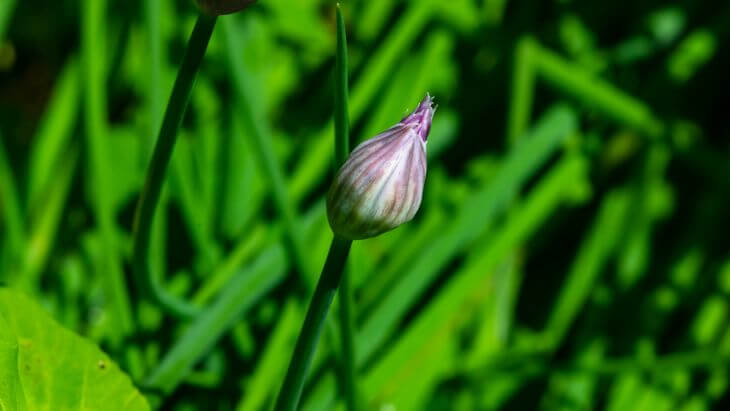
381 184
219 7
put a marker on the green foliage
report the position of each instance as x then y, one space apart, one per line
570 252
44 365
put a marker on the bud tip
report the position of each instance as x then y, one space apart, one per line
421 118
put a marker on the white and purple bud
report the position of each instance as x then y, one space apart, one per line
220 7
381 184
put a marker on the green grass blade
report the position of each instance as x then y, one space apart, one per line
12 213
523 89
55 131
270 368
97 134
47 220
593 91
583 275
262 145
245 289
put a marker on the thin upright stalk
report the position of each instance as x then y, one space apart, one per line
334 267
329 280
158 166
342 150
342 117
349 370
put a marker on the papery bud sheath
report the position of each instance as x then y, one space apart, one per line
380 186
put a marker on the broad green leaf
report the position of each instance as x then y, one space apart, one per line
44 366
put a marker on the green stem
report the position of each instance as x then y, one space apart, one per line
158 167
348 343
342 118
342 150
242 292
98 152
329 280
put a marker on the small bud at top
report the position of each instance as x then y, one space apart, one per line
381 184
220 7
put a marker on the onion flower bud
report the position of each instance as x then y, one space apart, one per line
381 184
220 7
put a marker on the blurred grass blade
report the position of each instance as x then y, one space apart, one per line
55 131
523 89
497 317
593 91
581 280
243 291
182 182
270 368
6 11
245 249
47 220
416 75
256 122
93 45
12 214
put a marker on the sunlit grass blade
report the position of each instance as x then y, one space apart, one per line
97 133
55 131
242 292
11 212
398 376
260 138
6 11
48 219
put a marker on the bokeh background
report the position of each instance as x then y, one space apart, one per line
571 252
